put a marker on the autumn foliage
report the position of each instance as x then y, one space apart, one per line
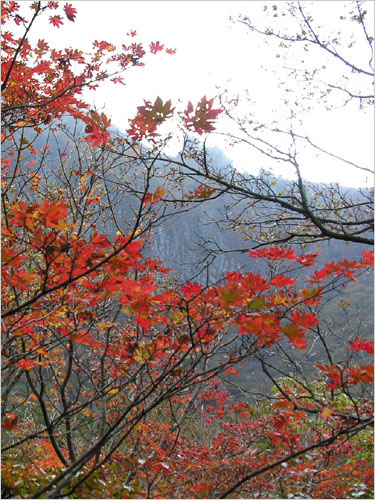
112 374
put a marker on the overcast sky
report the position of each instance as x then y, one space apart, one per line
210 51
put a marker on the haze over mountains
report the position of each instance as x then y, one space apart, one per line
195 247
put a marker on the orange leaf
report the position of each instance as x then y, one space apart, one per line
26 364
327 412
10 422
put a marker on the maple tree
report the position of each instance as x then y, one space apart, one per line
112 373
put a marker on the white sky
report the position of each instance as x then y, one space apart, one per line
210 51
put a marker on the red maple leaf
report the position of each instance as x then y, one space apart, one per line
274 253
143 322
96 135
191 290
170 51
9 422
18 20
96 128
156 47
307 320
101 45
362 345
368 258
202 119
149 117
282 280
70 11
100 241
56 21
361 374
26 364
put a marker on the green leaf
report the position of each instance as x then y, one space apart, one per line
257 303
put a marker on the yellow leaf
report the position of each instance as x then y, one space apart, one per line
177 316
113 391
280 299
